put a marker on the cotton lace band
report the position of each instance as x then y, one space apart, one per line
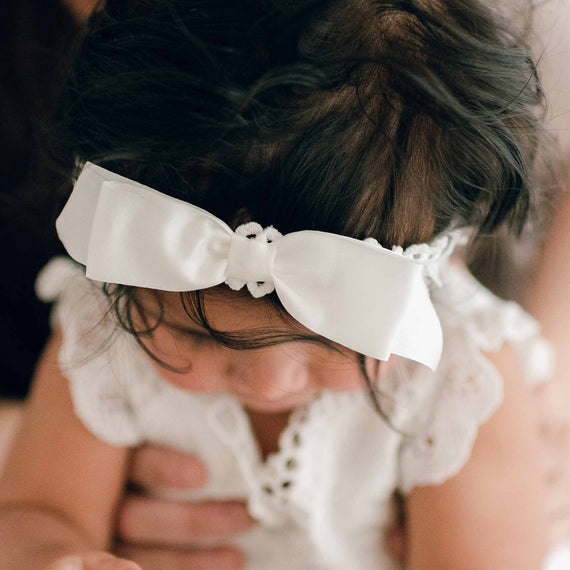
358 294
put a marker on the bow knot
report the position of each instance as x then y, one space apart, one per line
250 259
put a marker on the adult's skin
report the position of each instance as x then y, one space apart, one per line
548 300
82 9
160 534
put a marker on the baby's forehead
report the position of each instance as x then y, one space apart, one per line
225 309
237 320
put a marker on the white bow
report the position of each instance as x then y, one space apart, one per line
363 296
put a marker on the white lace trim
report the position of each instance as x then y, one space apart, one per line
432 255
282 486
288 476
87 356
466 398
469 388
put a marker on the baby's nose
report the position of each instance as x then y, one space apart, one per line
274 374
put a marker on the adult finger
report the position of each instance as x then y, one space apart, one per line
155 465
93 561
104 561
226 558
398 543
144 520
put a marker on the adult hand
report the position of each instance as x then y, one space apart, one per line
159 533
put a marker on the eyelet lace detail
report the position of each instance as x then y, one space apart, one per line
466 388
464 392
283 486
279 474
431 255
440 442
101 362
288 477
253 230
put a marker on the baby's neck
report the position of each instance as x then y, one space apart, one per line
267 428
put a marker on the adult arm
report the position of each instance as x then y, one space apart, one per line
548 300
490 515
60 484
157 533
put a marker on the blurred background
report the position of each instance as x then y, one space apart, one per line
36 40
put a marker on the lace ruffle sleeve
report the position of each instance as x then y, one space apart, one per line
466 388
102 397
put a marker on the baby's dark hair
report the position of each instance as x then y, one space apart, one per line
392 119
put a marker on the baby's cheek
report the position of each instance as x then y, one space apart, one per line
180 363
191 376
343 373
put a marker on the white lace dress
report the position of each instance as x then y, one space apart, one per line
324 499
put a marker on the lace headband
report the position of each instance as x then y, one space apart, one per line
356 293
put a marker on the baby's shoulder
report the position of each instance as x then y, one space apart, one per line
439 413
108 374
63 281
474 321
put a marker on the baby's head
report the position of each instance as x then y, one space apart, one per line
392 119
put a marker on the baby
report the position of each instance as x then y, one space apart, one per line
263 279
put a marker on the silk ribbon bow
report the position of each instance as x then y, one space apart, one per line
363 296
